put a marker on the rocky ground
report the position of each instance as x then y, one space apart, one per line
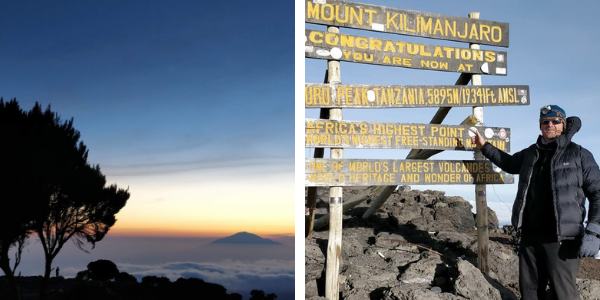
429 246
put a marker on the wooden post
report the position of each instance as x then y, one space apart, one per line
480 189
334 244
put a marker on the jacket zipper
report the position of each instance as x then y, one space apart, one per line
554 201
537 155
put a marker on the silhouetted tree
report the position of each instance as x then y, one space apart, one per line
102 270
260 295
271 296
191 288
20 244
50 187
25 182
83 275
155 281
125 277
88 290
257 295
234 296
80 207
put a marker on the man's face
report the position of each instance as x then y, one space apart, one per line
551 128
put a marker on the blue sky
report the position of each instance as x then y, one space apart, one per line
552 49
188 103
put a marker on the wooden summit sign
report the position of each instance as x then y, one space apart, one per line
360 134
360 172
370 50
394 96
406 22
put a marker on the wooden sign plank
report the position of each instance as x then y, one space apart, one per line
406 22
370 50
378 135
360 172
394 96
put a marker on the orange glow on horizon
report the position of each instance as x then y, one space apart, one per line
203 204
163 232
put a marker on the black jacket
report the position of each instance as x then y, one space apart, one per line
574 177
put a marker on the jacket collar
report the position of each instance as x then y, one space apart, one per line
573 126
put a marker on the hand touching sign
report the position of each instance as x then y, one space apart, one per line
476 138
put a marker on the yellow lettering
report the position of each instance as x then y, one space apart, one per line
331 12
316 37
474 34
496 34
391 21
356 16
312 11
438 27
347 40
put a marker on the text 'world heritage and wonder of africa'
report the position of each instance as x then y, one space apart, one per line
356 172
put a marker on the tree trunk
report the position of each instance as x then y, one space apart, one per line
47 271
5 266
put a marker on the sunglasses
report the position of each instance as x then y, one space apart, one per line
553 121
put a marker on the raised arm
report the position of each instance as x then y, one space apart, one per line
508 163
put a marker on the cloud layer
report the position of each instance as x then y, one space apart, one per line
271 276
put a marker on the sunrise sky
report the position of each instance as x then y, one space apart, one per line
187 103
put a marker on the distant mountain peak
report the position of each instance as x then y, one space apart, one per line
245 238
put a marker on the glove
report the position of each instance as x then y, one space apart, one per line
591 240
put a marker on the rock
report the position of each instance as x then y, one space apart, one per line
503 262
472 284
368 272
508 229
415 292
311 289
403 213
493 222
406 272
430 212
426 199
354 241
320 203
395 248
386 239
314 262
455 239
588 289
422 271
435 193
404 188
460 214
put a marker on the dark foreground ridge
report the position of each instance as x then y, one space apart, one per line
245 238
103 281
126 287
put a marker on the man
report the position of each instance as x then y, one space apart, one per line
555 177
